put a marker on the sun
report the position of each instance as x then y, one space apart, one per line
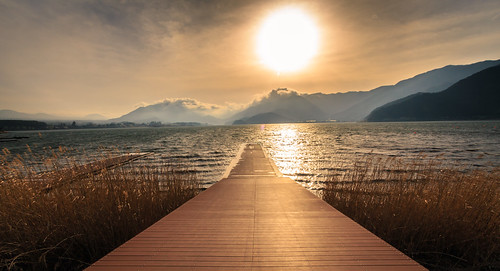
287 40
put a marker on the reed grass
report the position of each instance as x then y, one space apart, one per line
59 214
446 218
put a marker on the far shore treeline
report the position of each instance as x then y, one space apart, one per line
25 125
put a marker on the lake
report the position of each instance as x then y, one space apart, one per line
307 152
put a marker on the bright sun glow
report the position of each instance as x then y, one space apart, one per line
288 39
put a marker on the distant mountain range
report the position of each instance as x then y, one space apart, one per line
352 106
285 105
476 97
280 105
14 115
429 82
170 111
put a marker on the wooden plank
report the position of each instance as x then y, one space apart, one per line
256 220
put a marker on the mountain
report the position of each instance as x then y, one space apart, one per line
264 118
284 105
94 117
280 105
429 82
333 104
352 106
170 111
473 98
14 115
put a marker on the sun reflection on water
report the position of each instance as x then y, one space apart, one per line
286 143
310 154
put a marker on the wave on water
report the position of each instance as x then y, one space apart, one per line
308 153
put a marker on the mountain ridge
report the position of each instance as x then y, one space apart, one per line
287 104
170 111
472 98
430 82
355 106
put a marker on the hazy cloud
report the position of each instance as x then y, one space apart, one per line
219 111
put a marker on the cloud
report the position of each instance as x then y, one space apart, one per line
274 94
141 104
215 110
189 103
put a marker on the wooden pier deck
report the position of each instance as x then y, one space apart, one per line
255 220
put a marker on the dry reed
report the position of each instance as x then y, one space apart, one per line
445 218
56 213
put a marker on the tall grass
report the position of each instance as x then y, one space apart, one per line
445 218
72 215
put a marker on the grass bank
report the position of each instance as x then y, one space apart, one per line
444 218
74 214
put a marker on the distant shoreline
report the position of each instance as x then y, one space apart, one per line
30 125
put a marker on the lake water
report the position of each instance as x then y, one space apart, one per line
308 153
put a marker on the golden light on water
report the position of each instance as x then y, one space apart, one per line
285 141
287 40
287 148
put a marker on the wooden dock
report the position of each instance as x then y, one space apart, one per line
255 220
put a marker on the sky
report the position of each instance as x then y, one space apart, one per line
73 58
